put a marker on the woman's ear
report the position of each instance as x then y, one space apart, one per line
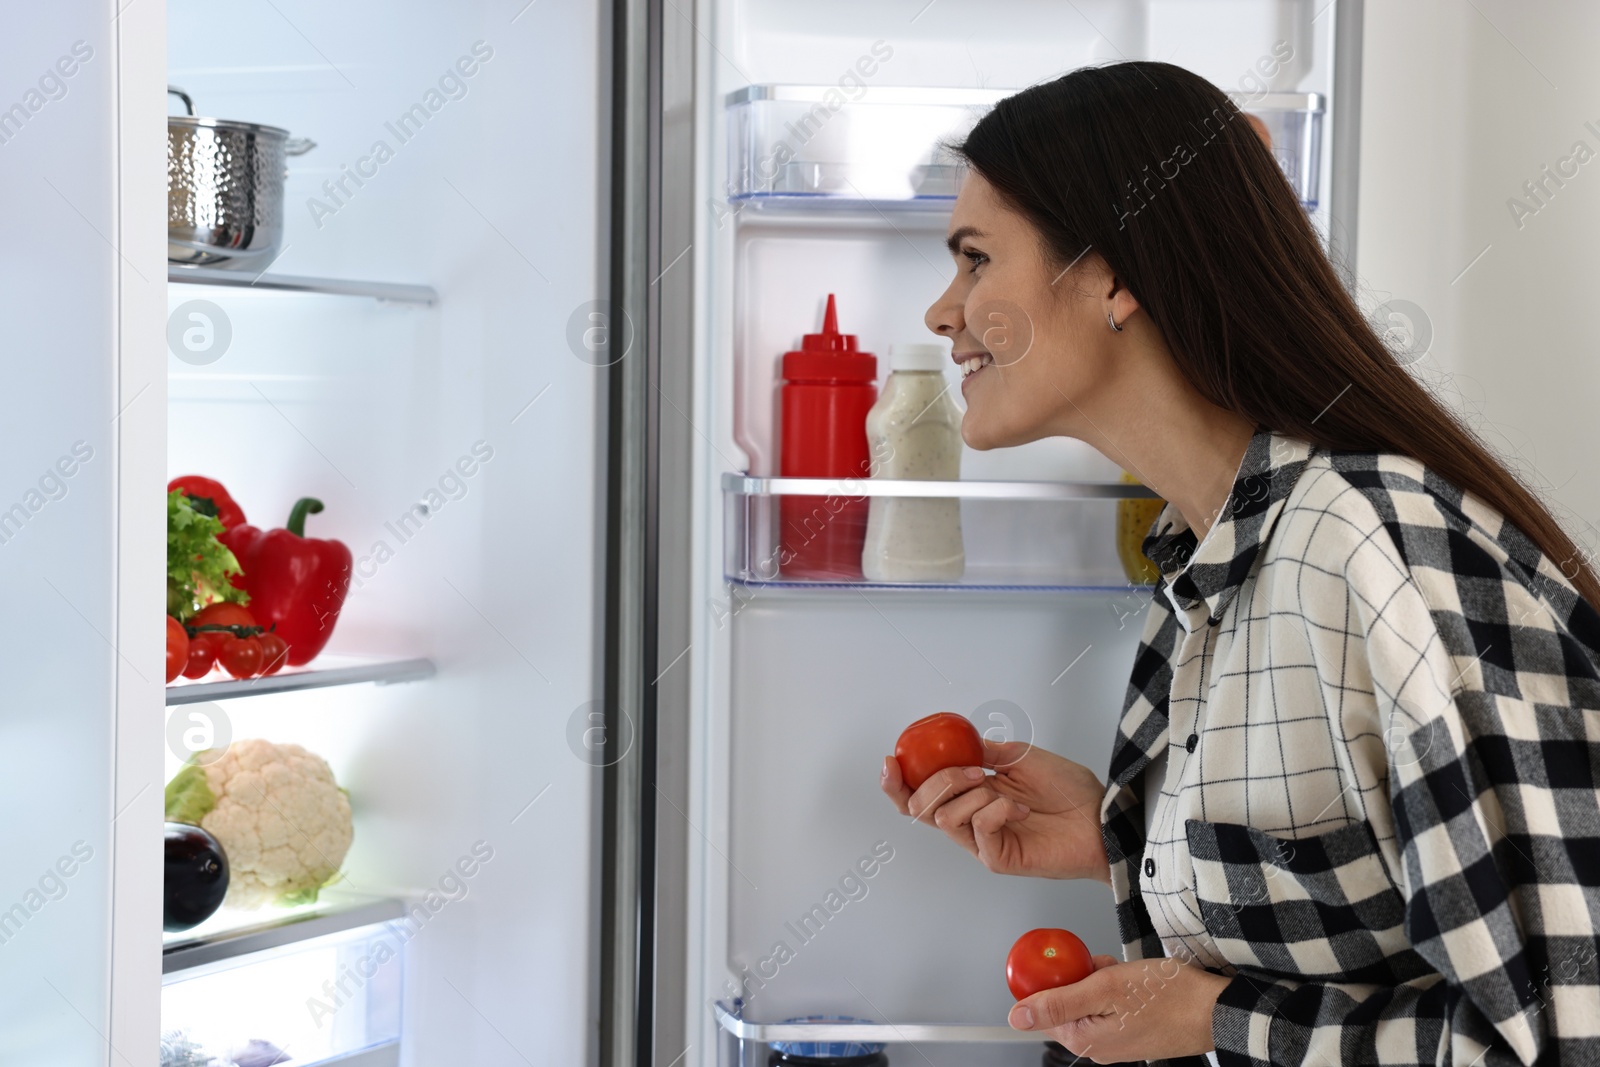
1122 302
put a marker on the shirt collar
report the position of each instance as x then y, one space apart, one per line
1200 580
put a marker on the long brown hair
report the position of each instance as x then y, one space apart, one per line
1156 170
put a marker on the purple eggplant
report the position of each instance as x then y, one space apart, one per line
196 876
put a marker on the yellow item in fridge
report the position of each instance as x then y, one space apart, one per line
1134 517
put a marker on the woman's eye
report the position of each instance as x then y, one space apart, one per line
975 258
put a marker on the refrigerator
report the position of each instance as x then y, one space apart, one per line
521 339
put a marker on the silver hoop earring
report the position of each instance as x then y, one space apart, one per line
1112 322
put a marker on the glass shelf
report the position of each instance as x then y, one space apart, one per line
1016 536
324 671
742 1043
394 292
230 933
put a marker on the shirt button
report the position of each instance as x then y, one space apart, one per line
1149 868
1194 739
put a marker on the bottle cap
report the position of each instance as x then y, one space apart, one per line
829 356
919 357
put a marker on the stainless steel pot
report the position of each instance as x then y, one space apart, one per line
225 189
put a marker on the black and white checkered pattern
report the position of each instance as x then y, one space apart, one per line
1380 708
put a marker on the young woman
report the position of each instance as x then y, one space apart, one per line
1351 814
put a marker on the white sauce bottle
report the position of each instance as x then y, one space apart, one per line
914 432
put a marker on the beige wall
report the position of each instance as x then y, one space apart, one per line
1464 100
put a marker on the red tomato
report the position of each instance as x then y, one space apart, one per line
274 653
177 648
930 745
240 656
202 655
1046 959
223 614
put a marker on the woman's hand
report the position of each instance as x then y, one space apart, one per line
1038 814
1155 1009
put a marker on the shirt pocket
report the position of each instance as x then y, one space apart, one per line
1320 908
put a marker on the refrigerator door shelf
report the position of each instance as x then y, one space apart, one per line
813 145
862 142
1017 536
1294 120
749 484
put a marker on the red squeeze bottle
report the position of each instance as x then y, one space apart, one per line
827 391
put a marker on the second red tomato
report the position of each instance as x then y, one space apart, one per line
931 744
1046 959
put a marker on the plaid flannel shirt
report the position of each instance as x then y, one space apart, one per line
1380 704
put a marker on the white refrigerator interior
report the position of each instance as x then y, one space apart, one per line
457 146
801 690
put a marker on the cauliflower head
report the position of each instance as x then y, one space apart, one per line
279 815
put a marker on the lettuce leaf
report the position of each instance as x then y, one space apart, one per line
198 565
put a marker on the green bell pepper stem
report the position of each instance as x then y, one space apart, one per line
306 505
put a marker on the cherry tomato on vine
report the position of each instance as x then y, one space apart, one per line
202 655
274 653
177 648
933 743
240 656
1046 959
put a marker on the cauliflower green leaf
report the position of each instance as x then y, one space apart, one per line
189 796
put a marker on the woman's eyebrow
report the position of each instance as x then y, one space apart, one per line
953 242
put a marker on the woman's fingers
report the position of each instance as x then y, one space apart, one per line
890 781
941 787
988 826
1053 1008
954 816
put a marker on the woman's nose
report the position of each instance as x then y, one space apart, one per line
944 315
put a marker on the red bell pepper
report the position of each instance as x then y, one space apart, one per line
223 506
296 584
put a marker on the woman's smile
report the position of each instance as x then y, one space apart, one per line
971 363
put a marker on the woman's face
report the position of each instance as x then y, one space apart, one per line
1037 332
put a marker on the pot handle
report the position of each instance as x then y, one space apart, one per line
188 101
298 146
